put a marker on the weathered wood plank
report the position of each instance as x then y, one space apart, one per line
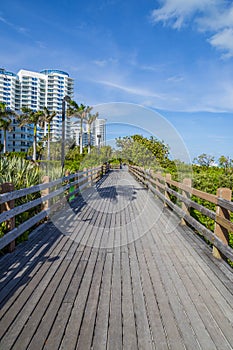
102 320
115 314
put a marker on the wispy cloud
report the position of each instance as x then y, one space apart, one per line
105 62
223 40
175 79
210 16
19 29
133 90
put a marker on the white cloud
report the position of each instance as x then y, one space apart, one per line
223 41
211 16
177 12
175 79
15 27
105 62
133 90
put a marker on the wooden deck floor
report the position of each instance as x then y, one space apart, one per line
115 271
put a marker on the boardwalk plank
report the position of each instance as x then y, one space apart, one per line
115 321
128 317
142 324
88 322
209 310
102 320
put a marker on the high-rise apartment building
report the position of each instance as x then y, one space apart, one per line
99 131
47 88
21 138
35 90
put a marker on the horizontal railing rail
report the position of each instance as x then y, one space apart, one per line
52 195
161 187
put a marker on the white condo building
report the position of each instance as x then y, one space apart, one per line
35 90
98 133
47 88
21 138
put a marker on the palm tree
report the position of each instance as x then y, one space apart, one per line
5 125
89 120
47 117
5 121
74 110
31 117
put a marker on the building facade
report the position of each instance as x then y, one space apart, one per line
99 132
21 138
35 90
47 88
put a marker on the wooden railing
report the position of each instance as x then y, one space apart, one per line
52 195
161 187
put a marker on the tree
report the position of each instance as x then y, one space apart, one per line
31 117
47 117
5 125
204 160
5 121
225 162
74 110
142 151
89 120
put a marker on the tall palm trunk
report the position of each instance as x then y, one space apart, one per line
49 128
89 138
4 141
81 136
34 142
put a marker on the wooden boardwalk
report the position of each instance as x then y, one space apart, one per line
115 271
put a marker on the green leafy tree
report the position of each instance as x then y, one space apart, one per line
31 117
204 160
5 125
5 122
47 117
225 162
157 148
81 112
142 151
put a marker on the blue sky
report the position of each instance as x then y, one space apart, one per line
172 56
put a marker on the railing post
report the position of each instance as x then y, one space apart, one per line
168 177
9 187
91 178
158 174
84 176
45 192
220 231
185 207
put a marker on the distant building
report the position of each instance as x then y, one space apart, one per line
99 131
21 138
47 88
75 134
35 90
